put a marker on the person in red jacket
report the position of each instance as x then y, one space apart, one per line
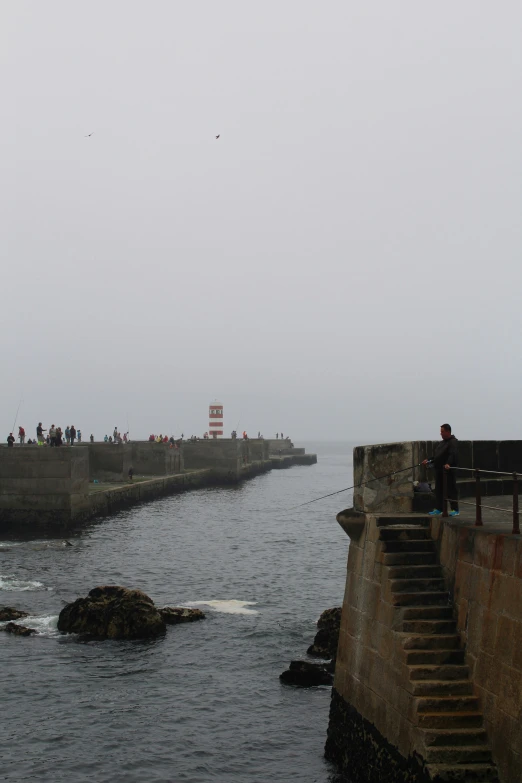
21 435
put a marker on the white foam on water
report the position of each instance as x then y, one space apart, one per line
46 625
228 607
10 584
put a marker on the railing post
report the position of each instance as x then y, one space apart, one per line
478 499
444 492
516 522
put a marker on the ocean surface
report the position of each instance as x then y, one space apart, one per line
204 703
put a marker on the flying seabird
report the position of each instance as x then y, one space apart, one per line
219 134
89 134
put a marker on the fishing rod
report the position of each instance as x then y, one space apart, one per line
354 486
16 416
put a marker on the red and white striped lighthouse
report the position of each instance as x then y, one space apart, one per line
215 420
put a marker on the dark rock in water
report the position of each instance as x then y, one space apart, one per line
9 613
178 614
306 674
327 636
112 612
18 630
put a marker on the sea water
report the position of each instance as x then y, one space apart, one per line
204 702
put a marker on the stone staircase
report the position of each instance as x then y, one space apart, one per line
447 712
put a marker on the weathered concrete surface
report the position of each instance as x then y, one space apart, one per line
483 572
43 486
391 494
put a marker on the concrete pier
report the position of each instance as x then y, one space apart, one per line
428 679
45 488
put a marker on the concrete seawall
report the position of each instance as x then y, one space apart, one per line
428 680
47 488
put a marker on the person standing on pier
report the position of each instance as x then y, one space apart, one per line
21 435
10 440
39 434
72 434
445 458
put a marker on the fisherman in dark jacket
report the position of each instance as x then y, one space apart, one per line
445 458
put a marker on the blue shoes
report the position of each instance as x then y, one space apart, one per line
454 513
435 513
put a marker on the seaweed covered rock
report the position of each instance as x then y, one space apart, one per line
9 613
327 636
18 630
306 674
112 612
179 614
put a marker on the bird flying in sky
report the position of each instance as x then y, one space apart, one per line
89 134
219 134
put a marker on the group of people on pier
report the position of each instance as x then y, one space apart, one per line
54 436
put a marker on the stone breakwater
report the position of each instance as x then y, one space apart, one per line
44 487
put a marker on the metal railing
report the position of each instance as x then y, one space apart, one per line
478 496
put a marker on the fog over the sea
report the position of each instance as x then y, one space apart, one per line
342 263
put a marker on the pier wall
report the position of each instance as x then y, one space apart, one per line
44 486
377 726
483 573
224 456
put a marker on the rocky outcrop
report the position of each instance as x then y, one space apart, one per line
18 630
306 674
172 615
112 612
9 613
327 636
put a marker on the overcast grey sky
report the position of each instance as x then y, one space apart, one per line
344 262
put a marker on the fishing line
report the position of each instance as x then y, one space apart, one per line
338 492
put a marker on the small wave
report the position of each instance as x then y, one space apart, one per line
228 607
10 583
46 625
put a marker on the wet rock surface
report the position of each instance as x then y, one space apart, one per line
18 630
178 614
112 612
306 674
10 613
327 636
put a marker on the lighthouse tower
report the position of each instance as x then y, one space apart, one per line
215 420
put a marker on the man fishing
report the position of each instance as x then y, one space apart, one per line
445 457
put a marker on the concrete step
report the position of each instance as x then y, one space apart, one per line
431 598
442 688
430 627
409 546
459 754
445 673
451 720
409 533
447 704
420 520
478 773
417 585
427 613
434 657
436 738
416 571
409 558
430 641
